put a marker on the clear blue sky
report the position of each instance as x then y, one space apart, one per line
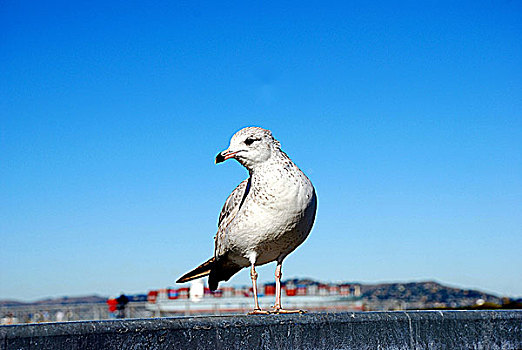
407 118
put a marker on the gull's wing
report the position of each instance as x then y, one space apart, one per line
229 213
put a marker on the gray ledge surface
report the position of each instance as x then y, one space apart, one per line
357 330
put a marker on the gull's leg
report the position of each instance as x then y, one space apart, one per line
257 309
278 275
278 309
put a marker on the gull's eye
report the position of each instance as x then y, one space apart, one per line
250 140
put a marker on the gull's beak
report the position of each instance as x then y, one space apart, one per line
226 154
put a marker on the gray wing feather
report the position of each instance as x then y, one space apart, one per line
228 214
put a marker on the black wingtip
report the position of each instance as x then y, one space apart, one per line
200 271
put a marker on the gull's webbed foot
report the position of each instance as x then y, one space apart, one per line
258 312
284 311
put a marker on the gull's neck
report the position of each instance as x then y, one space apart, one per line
277 160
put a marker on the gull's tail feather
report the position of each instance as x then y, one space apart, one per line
200 271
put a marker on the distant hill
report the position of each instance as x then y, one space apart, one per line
11 303
63 300
424 294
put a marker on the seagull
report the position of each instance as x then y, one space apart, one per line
265 218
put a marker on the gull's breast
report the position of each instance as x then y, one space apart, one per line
275 219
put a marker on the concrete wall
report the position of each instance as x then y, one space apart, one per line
360 330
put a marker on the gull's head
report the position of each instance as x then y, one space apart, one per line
250 146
